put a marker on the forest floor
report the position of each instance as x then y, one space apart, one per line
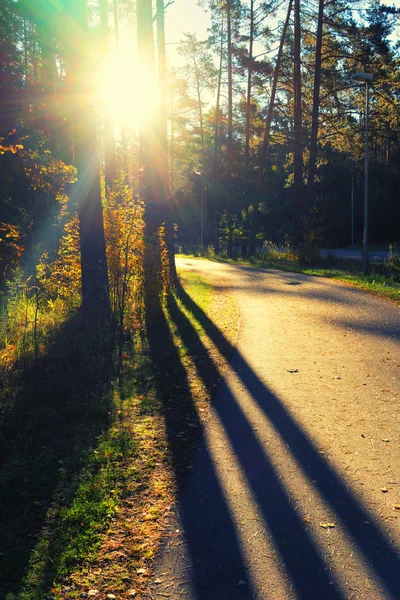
90 462
294 491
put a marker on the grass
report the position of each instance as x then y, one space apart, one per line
382 280
91 465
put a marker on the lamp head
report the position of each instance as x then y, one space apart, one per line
364 77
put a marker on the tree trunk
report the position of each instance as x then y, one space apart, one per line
109 141
248 99
213 206
163 142
150 150
162 85
95 288
148 133
315 110
229 149
171 145
267 130
298 191
248 114
198 91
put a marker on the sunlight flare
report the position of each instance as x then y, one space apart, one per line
128 89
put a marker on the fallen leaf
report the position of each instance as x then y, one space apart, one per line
385 440
337 377
141 571
327 525
397 506
291 371
93 592
157 581
111 596
132 593
384 490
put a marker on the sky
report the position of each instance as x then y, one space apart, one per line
185 16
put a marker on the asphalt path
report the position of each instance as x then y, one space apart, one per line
295 488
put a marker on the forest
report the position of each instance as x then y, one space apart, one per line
116 152
255 135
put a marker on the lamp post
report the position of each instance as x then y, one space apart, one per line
367 79
352 207
201 211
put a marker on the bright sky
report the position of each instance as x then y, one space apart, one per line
121 92
185 16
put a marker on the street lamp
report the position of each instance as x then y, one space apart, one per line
202 192
367 79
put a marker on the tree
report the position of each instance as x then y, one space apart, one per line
298 193
267 130
95 288
163 137
110 166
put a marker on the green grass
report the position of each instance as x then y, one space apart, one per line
79 513
68 439
201 291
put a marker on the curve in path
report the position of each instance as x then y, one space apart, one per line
294 488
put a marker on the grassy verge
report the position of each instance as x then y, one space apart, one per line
381 280
91 465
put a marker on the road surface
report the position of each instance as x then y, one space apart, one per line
295 489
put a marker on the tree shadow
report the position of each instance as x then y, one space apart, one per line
362 527
306 567
180 416
322 288
375 328
56 411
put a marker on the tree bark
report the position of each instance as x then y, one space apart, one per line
212 206
162 85
298 188
310 196
163 139
248 99
229 149
110 166
95 288
248 114
148 150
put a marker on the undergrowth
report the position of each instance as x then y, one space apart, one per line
92 454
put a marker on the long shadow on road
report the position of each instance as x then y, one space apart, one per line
303 560
208 569
306 568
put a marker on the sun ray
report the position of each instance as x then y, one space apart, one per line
128 89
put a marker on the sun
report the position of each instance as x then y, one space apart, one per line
128 89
